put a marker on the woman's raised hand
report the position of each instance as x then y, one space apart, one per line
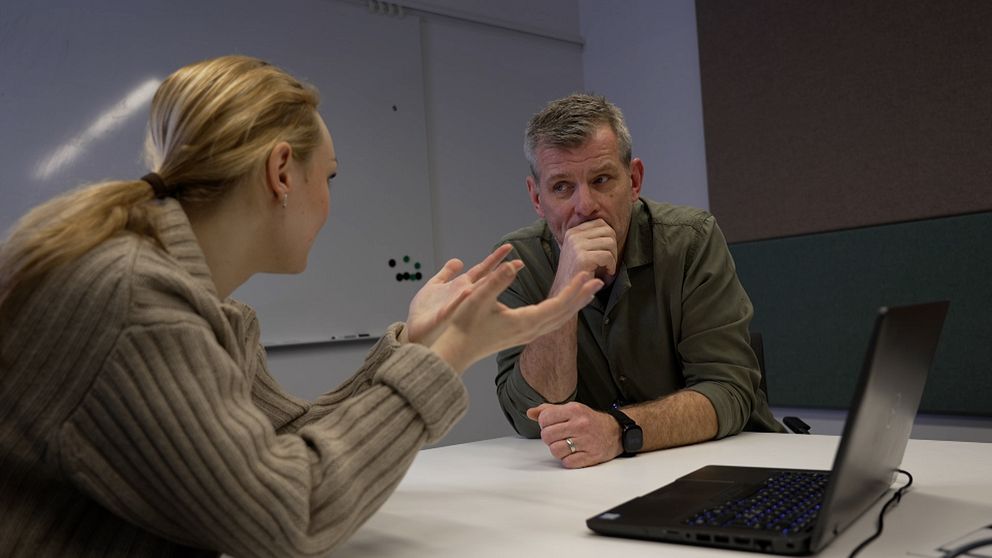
479 325
435 302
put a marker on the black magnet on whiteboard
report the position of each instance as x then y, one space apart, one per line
392 263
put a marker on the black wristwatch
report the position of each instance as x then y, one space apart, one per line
631 436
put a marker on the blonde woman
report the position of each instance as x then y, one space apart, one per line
137 417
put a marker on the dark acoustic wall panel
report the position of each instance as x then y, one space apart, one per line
815 297
837 114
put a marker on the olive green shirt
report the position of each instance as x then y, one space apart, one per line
676 317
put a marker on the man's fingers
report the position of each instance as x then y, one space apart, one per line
600 237
594 226
607 245
549 414
577 460
593 253
535 412
600 264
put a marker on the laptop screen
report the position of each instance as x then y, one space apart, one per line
881 418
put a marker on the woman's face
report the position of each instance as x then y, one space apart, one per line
310 204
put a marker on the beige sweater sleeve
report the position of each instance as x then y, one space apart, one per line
289 413
170 438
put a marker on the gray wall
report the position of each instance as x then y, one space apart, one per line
645 58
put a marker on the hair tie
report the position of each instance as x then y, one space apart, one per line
157 184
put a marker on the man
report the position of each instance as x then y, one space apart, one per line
661 357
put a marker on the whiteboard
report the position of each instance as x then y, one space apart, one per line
75 85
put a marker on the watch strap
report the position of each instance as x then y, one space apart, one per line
626 424
622 418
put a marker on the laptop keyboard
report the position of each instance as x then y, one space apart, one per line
788 502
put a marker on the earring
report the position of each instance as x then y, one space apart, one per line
285 200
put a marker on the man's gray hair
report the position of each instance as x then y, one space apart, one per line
570 121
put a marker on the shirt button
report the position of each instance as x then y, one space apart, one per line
623 378
606 321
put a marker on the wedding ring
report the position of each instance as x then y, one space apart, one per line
571 445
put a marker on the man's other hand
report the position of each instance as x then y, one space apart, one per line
576 435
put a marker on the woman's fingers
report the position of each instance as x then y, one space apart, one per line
490 263
550 313
496 282
449 271
483 325
454 266
453 304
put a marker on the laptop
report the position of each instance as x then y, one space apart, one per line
716 505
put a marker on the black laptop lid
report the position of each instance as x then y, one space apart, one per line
881 417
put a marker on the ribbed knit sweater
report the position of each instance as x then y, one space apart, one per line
137 417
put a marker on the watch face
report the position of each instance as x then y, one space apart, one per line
633 439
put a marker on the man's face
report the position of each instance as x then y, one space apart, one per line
585 183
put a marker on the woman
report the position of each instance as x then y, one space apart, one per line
136 413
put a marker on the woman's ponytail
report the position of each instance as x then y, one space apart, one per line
66 227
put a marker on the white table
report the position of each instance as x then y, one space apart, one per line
508 498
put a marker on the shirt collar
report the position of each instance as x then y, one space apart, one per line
639 249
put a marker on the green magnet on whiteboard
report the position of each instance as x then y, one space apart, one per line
406 275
